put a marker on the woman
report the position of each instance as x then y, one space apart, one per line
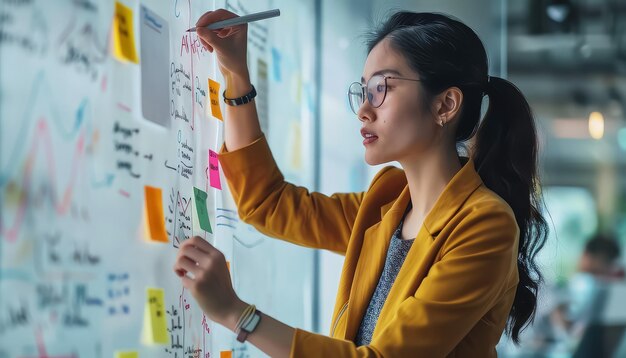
439 256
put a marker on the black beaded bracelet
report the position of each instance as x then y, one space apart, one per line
241 100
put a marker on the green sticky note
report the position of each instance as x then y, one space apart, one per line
203 214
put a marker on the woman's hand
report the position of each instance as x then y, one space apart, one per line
212 288
230 43
210 282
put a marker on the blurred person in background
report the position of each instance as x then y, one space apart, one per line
570 308
584 297
600 258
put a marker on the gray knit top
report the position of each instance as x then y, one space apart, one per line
396 254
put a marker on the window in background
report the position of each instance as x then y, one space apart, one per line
572 218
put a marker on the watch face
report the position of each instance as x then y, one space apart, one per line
253 322
250 327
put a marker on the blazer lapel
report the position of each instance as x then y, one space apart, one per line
425 248
385 208
372 260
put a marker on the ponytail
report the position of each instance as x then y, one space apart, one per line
505 155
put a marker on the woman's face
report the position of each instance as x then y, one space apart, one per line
400 129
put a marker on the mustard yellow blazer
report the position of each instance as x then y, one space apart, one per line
455 289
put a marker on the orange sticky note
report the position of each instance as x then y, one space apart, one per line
123 34
214 97
228 265
226 354
155 216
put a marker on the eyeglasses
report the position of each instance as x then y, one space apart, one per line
376 90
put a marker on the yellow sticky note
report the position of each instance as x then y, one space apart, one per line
155 325
214 97
226 354
146 332
123 34
155 215
295 145
126 354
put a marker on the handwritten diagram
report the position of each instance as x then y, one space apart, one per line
79 143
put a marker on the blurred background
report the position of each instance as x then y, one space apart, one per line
569 59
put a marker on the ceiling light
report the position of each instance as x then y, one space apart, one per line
558 12
596 125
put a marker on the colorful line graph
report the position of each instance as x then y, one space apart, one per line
42 136
41 90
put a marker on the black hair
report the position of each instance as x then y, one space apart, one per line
446 53
603 246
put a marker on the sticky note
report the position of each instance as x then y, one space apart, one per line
295 145
214 97
226 354
228 265
154 38
201 209
214 170
154 213
126 354
276 59
123 36
155 325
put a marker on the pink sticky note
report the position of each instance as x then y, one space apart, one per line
214 170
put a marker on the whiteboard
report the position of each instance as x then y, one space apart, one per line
82 134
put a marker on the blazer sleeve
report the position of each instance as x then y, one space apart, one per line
473 274
282 210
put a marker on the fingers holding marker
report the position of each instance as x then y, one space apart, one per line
228 31
193 253
186 265
198 257
205 44
214 37
178 269
208 36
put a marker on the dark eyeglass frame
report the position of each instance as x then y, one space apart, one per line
364 87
